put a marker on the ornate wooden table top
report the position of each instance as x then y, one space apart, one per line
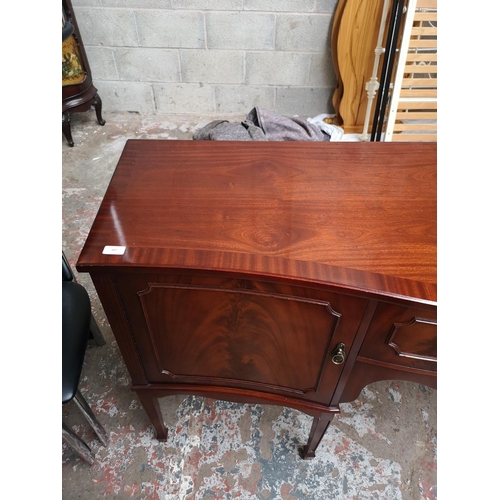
359 216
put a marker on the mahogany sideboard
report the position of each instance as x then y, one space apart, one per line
287 273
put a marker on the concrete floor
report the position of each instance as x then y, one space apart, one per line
382 446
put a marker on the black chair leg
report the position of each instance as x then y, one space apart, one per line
66 128
91 418
95 332
77 444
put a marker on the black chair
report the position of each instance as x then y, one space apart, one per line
78 325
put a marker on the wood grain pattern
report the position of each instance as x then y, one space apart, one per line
354 39
247 264
197 330
362 216
236 335
402 336
365 370
415 339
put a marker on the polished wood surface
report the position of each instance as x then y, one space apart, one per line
410 334
341 213
400 344
238 333
248 266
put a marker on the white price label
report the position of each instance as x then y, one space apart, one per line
113 250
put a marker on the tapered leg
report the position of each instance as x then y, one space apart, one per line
97 103
66 128
77 444
319 426
152 408
91 418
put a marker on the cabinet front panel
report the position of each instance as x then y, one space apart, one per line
402 336
238 334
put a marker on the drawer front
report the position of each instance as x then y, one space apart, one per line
235 333
402 336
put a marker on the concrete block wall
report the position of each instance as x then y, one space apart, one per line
211 57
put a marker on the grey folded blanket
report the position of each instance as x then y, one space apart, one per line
262 125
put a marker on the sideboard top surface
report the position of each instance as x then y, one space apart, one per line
356 215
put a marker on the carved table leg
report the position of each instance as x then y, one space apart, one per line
66 128
97 103
152 408
319 426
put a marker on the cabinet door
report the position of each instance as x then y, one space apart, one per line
402 336
237 333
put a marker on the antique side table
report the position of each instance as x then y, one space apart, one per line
78 91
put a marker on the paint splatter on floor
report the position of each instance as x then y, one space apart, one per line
221 450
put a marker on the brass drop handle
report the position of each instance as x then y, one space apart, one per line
338 355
